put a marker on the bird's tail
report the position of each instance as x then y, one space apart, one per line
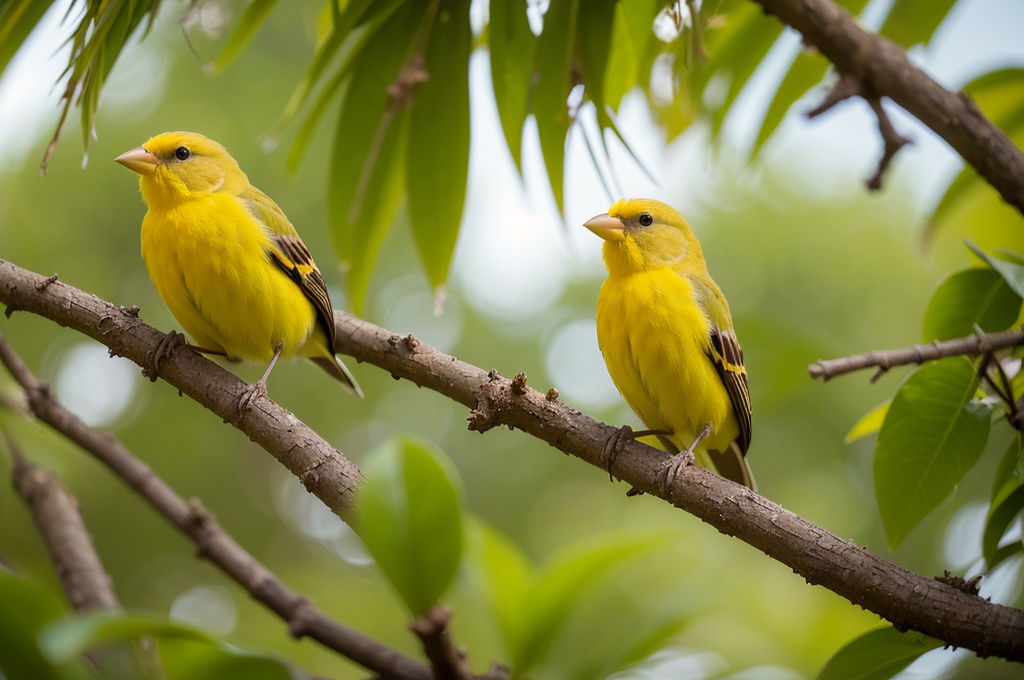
732 464
334 368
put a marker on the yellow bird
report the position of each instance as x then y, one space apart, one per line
666 334
228 263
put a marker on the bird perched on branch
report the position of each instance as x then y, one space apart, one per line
228 263
666 334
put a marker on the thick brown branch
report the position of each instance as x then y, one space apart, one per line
212 542
55 511
323 470
432 630
917 354
882 66
905 598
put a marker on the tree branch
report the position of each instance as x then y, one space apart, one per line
917 354
906 599
432 630
72 553
213 543
323 470
883 68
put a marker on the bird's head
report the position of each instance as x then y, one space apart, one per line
643 234
179 166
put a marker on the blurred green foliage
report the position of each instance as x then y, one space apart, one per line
812 269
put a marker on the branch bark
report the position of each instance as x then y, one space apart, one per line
907 599
883 68
322 469
884 359
212 541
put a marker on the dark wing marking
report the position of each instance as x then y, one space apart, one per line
727 356
292 256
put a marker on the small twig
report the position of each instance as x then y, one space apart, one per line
55 512
917 354
213 543
849 86
448 662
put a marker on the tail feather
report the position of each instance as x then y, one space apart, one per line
732 464
337 370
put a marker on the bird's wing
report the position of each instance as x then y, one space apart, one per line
288 252
726 354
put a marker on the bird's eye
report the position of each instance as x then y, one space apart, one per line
182 153
646 220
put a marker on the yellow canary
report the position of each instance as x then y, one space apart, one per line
666 334
227 262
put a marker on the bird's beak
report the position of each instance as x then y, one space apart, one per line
607 227
139 160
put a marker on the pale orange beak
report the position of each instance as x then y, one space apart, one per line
139 160
607 227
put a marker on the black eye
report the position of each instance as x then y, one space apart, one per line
182 154
646 220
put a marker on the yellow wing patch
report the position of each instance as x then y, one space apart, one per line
727 356
290 254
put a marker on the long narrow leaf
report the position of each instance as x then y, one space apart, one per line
512 47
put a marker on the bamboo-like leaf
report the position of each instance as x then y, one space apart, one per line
17 19
437 160
932 436
877 655
807 71
914 21
512 46
1006 503
969 298
554 71
246 29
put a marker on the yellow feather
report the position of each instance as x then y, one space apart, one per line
655 322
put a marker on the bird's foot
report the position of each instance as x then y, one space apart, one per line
670 470
163 350
612 448
250 393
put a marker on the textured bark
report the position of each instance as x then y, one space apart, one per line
883 68
907 599
212 541
323 470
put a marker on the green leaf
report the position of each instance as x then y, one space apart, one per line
504 575
869 423
631 34
966 298
1012 272
17 19
595 38
1007 501
410 519
913 21
185 653
248 26
554 71
932 435
437 161
367 180
807 71
26 610
565 580
512 45
877 655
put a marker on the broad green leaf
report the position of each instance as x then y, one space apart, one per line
566 580
932 435
869 423
1012 272
504 575
512 45
636 640
877 655
966 298
1007 500
185 653
913 21
437 156
410 519
554 70
367 180
248 26
26 609
17 19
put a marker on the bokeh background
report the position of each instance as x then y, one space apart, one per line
814 266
